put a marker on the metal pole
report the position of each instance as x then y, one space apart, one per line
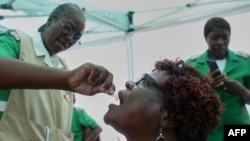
130 59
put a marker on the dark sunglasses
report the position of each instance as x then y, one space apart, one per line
152 81
68 31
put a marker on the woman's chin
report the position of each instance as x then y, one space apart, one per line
108 117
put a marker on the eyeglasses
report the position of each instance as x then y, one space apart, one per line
152 81
68 31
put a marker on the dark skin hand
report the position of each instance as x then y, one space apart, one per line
230 85
92 134
88 79
91 79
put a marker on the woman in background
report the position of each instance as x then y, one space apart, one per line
231 79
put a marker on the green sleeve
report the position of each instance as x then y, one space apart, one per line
87 120
247 78
247 82
9 46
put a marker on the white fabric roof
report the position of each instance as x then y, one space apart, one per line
115 18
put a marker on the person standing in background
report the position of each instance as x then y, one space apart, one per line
84 126
232 78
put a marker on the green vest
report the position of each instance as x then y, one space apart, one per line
36 115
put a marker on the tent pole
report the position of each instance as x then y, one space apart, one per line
130 59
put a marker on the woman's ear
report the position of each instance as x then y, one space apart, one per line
167 122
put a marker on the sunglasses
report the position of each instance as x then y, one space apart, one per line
152 81
68 31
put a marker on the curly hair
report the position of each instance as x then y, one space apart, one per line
192 104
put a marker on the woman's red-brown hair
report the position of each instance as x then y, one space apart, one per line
192 104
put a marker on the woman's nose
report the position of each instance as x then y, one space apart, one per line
221 41
129 85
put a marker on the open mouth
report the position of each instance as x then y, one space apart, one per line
120 97
62 45
65 44
220 51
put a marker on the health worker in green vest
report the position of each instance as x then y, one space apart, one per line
36 86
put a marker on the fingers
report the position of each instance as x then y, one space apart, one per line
109 90
101 79
220 84
94 73
219 80
106 83
215 73
222 81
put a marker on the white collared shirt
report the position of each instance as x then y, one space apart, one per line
221 64
40 50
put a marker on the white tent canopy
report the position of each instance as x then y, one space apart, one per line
116 20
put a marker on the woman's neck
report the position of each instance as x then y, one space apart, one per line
169 134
